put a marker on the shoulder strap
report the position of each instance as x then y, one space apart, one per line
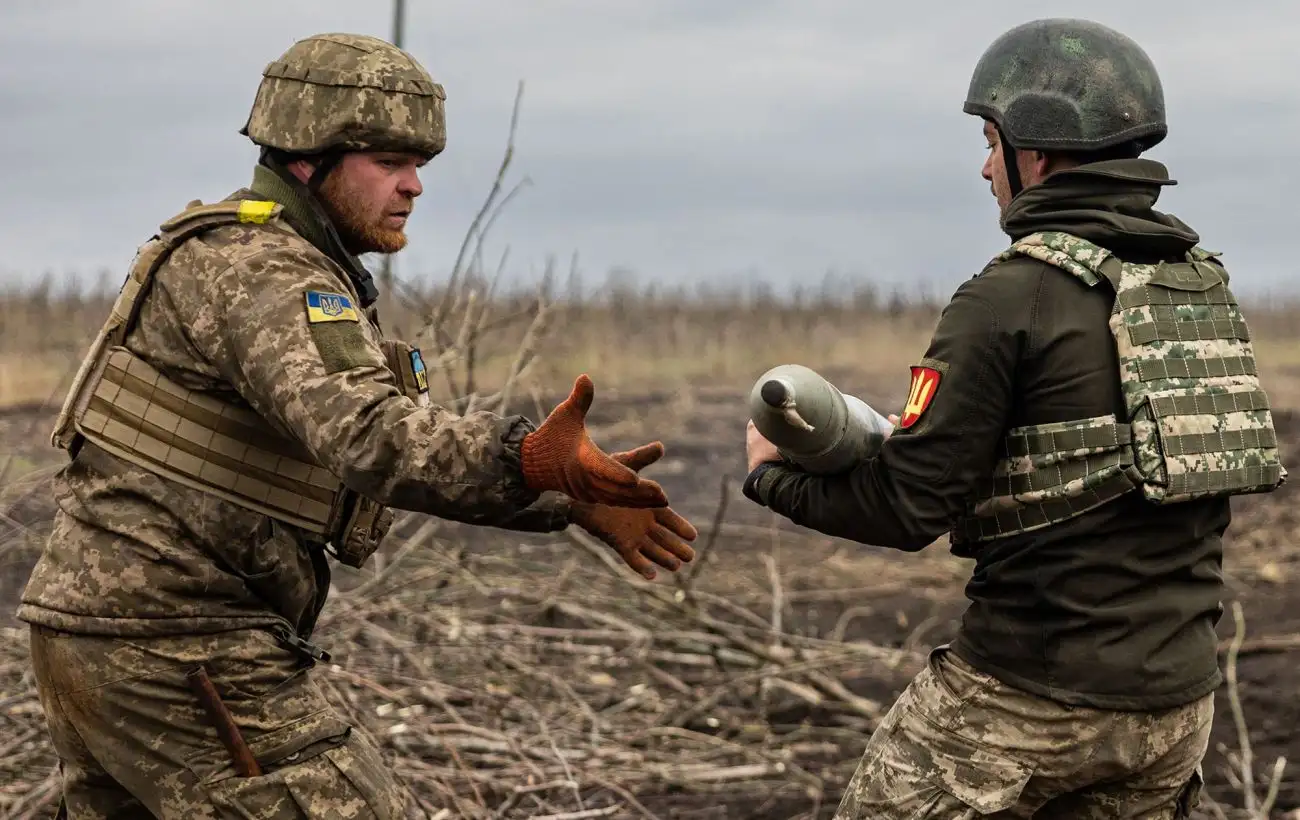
1088 262
193 220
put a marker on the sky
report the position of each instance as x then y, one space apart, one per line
696 141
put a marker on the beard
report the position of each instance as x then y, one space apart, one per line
360 231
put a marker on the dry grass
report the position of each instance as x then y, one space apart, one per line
628 342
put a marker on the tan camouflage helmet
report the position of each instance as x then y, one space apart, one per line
347 92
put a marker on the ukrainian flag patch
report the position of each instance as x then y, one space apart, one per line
421 375
329 307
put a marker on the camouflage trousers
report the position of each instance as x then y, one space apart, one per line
959 744
133 740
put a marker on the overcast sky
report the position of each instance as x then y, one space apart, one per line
687 139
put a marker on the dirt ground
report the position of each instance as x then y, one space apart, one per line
705 449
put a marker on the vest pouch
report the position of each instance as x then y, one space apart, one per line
367 524
1197 422
1191 276
407 365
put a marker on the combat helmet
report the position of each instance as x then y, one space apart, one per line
347 92
1067 85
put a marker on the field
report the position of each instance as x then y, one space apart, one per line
513 676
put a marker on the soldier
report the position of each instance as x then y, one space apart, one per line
239 418
1087 405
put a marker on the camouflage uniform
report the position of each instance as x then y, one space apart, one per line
1088 404
255 366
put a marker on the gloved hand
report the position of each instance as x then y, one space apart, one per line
639 536
560 456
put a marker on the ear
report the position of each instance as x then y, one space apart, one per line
1034 166
302 169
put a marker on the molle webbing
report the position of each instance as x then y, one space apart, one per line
211 442
1049 473
1198 422
195 219
138 414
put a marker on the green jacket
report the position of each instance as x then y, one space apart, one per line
1115 608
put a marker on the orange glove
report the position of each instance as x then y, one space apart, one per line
560 456
640 536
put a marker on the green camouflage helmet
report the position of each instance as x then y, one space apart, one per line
347 92
1064 84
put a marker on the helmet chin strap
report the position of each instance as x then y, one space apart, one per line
1009 163
322 170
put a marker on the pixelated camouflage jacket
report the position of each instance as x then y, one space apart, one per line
134 554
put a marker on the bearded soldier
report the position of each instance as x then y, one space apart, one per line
241 417
1086 408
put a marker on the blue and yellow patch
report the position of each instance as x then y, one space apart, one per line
421 375
329 307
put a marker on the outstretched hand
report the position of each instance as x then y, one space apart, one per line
641 537
559 456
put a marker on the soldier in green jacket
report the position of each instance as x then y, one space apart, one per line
240 418
1086 407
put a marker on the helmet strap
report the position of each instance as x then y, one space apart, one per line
1009 163
328 161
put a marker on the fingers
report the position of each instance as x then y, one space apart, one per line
663 556
583 394
633 557
669 545
641 457
605 480
646 494
668 518
601 468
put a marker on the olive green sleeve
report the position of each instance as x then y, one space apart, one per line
910 493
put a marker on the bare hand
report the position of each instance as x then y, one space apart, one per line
758 449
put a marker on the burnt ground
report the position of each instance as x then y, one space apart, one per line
704 432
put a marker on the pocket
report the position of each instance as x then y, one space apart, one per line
252 665
948 686
340 775
920 770
361 764
978 777
280 748
1190 796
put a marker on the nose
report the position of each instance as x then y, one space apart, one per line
408 184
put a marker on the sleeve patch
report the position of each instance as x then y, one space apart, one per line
341 346
421 375
925 383
329 307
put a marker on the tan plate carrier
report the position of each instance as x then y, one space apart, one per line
124 405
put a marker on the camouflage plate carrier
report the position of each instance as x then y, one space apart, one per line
1198 425
215 444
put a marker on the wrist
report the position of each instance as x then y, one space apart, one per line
532 452
750 489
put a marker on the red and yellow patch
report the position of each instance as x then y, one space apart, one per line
925 382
